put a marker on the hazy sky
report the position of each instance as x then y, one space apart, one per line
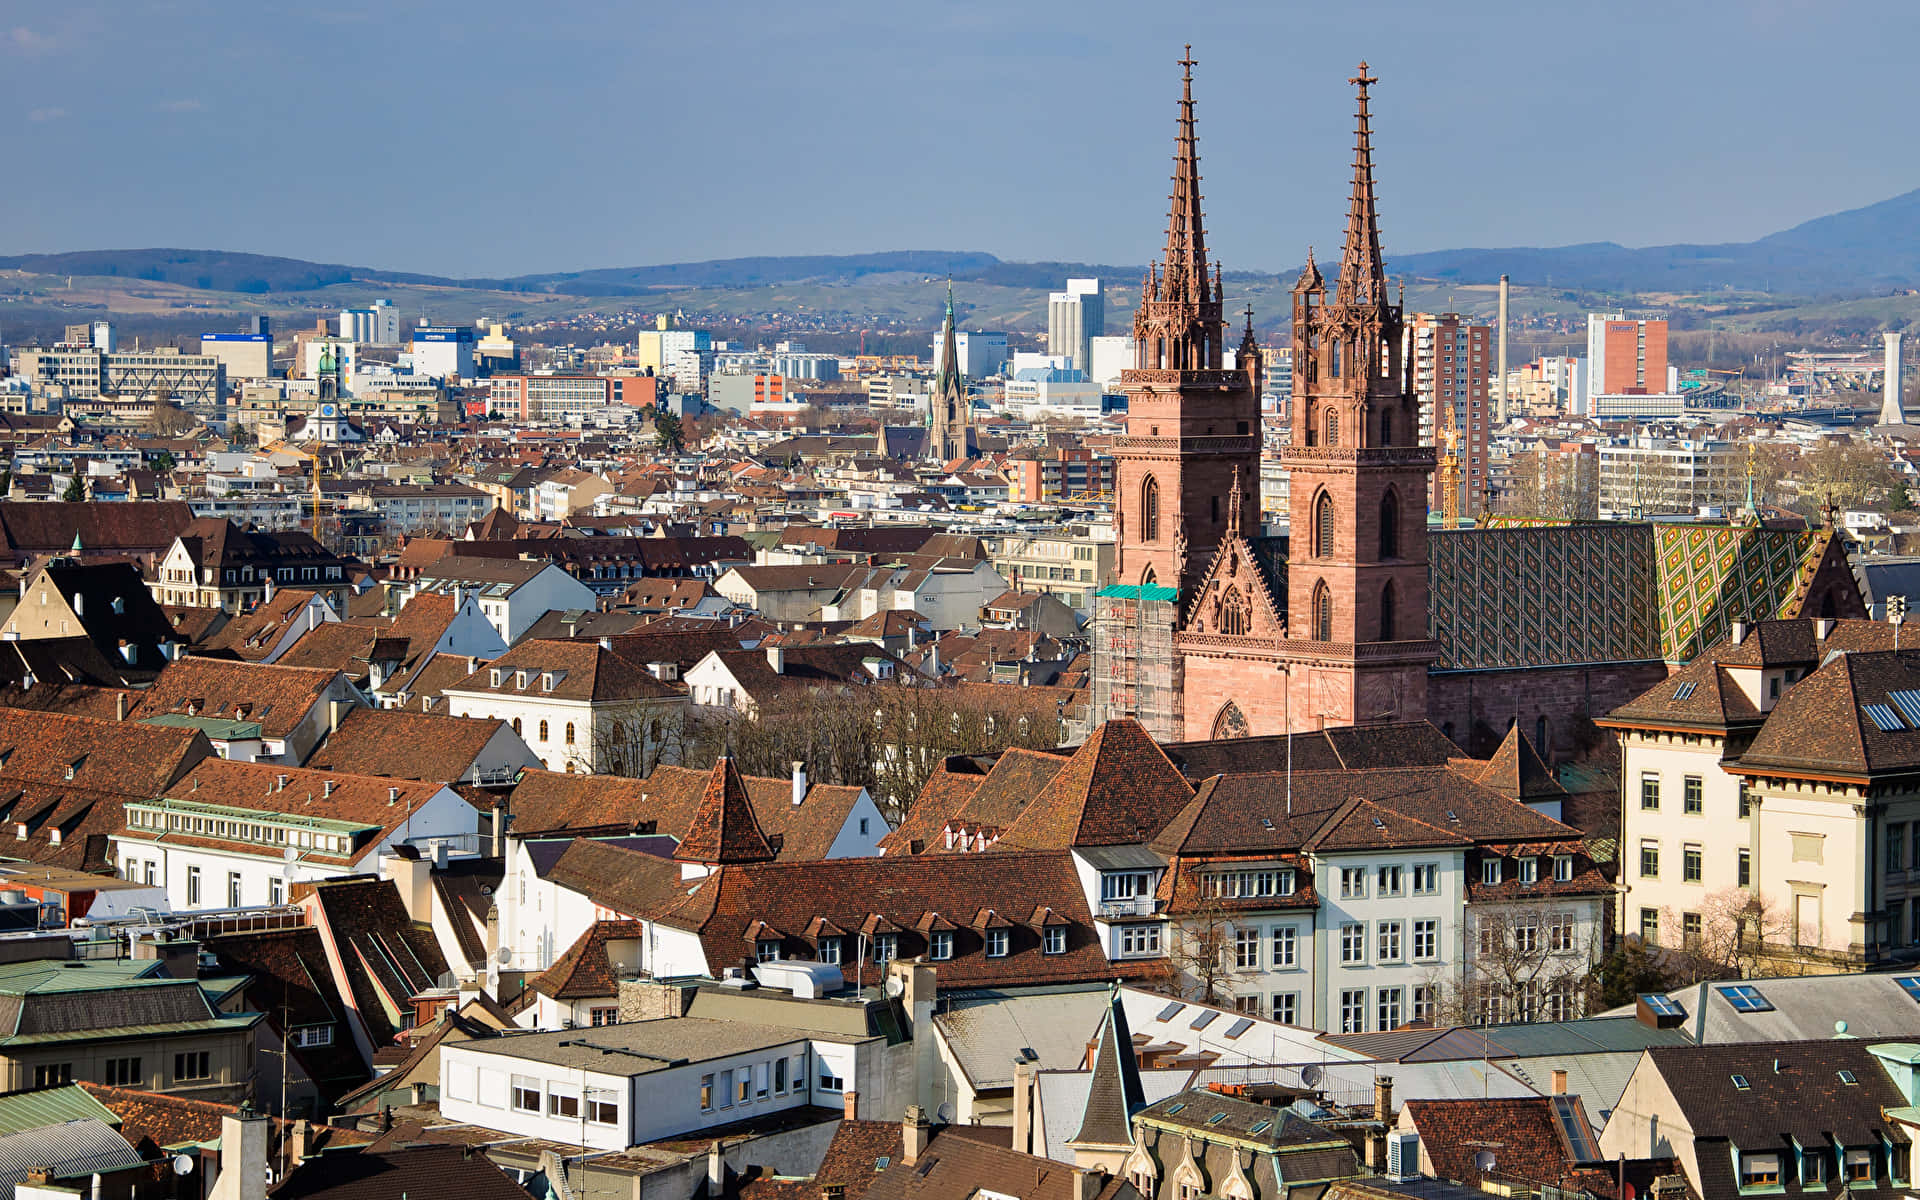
501 137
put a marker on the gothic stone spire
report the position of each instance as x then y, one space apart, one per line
1363 276
1178 323
1185 276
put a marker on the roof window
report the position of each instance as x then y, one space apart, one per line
1685 690
1740 1083
1746 998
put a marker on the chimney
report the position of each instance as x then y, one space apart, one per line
119 706
777 659
499 848
243 1157
1087 1182
716 1170
851 1102
302 1139
799 783
1383 1097
1023 1081
913 1134
1559 1082
1823 629
1739 632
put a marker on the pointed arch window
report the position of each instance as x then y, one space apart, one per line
1333 368
1323 526
1333 427
1322 612
1150 510
1388 618
1386 429
1389 525
1235 615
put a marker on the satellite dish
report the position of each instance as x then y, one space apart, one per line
1483 1161
944 1112
182 1164
1310 1075
894 986
503 955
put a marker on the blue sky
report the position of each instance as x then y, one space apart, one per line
494 137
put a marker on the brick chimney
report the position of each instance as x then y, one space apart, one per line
851 1100
1383 1097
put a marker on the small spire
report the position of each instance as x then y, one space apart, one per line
1233 494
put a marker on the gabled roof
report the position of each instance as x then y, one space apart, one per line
563 669
1517 772
1118 788
276 698
1822 725
723 828
405 745
1794 1090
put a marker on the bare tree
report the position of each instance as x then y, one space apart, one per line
1204 950
1728 938
1525 963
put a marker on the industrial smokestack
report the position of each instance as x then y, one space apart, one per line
1891 411
1500 387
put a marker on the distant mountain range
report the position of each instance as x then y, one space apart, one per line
1861 251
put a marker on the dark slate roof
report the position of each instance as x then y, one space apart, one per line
408 1173
1794 1091
1409 744
955 1168
1114 1093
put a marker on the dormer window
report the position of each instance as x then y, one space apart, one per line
1562 868
1529 870
493 678
1763 1170
519 681
940 945
546 681
1490 871
1054 939
766 949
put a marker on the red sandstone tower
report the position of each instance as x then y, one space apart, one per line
1191 425
1357 555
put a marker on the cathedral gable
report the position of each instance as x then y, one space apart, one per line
1235 597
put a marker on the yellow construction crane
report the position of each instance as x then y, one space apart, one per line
297 452
1449 471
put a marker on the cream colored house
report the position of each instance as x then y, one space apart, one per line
1771 797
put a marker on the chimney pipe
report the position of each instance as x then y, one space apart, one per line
1559 1082
1739 632
119 706
777 659
1500 386
913 1134
716 1170
799 783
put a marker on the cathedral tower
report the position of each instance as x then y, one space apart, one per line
1192 426
1357 554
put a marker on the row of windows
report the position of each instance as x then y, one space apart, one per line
188 1067
1692 862
1390 881
243 831
1389 942
147 871
759 1082
885 947
1526 869
1392 1007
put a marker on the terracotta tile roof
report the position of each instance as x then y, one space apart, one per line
276 698
388 958
956 1168
252 636
1517 772
1411 744
153 1121
974 803
722 828
1524 1128
620 879
289 980
804 669
683 647
1118 788
404 745
566 670
49 527
586 971
1820 724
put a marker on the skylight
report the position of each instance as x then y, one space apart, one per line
1239 1027
1662 1006
1170 1011
1174 1108
1884 717
1849 1077
1910 984
1216 1118
1908 702
1685 689
1740 1082
1205 1019
1262 1127
1745 998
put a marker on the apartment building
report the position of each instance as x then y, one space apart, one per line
89 373
1648 476
1068 565
1452 365
1044 474
1771 805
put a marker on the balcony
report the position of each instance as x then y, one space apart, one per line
1137 906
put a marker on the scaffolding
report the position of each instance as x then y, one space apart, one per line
1135 671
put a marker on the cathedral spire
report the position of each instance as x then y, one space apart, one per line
1184 278
1363 274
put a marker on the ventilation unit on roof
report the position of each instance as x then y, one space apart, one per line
1403 1157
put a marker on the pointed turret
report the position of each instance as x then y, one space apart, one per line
1114 1092
1363 270
723 828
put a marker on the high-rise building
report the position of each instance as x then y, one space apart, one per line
1074 318
981 354
1453 368
443 350
1626 356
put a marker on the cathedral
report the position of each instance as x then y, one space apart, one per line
1366 612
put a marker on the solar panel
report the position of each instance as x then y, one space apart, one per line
1664 1006
1908 702
1685 689
1170 1011
1239 1027
1746 999
1204 1019
1884 717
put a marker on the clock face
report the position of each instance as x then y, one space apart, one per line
326 410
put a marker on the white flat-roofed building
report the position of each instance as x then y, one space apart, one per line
613 1086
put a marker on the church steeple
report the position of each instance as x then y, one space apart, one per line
1363 272
1178 324
950 417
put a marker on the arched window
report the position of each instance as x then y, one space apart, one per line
1334 367
1322 613
1389 525
1386 429
1323 526
1234 615
543 731
1231 722
1333 427
570 731
1387 599
516 725
1150 510
1216 510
